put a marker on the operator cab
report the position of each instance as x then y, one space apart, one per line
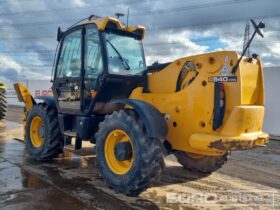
99 60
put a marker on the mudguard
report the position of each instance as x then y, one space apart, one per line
153 119
49 100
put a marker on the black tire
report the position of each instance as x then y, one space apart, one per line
148 154
3 105
204 164
52 143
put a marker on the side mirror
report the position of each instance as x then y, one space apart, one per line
257 27
257 31
59 34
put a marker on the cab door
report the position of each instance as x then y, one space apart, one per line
67 82
78 67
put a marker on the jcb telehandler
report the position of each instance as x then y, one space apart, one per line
198 107
3 101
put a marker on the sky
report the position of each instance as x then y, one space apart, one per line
175 28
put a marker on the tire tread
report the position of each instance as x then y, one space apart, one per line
205 164
152 156
53 144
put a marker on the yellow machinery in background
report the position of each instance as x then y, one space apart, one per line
199 108
3 101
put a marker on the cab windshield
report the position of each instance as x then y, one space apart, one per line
125 54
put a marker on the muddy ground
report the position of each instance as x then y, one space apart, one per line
250 180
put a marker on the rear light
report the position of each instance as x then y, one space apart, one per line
219 105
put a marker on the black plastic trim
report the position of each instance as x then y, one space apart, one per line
157 67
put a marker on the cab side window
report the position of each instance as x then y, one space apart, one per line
69 63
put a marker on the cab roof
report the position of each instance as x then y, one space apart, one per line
103 23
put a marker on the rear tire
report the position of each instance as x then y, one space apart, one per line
43 138
3 105
147 159
202 164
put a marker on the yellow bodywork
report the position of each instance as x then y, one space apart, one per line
24 95
189 112
101 24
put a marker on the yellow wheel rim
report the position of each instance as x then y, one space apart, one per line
118 167
36 131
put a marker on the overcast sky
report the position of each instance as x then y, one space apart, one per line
175 28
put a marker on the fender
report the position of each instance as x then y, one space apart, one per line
153 119
49 100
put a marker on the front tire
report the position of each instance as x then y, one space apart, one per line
43 138
144 163
201 163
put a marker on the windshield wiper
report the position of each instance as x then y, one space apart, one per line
123 61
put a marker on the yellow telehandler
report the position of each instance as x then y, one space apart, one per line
199 108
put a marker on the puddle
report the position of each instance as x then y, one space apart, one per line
72 175
22 190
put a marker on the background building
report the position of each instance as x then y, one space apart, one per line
272 100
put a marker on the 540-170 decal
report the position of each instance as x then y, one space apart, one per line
225 74
222 79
